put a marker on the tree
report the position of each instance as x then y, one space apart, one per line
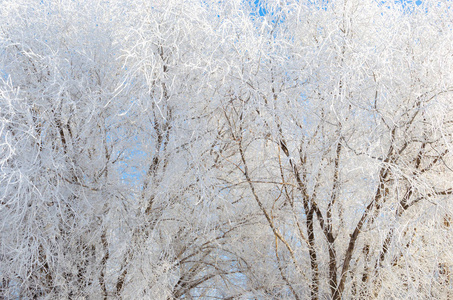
348 157
198 149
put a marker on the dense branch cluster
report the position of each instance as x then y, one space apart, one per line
226 149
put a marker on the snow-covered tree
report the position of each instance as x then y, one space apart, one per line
230 150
